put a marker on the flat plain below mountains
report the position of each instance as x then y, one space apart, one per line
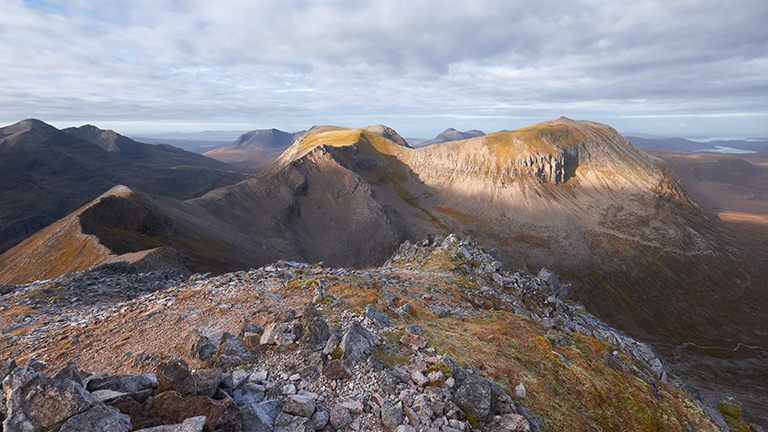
572 196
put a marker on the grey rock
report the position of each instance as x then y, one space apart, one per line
376 317
356 343
282 333
174 375
289 423
474 397
414 329
392 416
319 420
233 352
340 417
198 346
207 381
248 395
192 424
406 428
98 419
299 405
336 370
35 400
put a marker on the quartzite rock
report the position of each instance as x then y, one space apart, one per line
175 376
194 424
36 400
206 381
170 408
336 370
233 352
356 343
98 419
474 397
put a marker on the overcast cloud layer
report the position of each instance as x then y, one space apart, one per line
139 66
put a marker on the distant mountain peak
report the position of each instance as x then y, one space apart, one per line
388 133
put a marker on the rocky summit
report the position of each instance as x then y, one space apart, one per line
442 337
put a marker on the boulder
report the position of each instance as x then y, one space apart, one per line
98 419
36 401
474 397
340 417
355 344
174 376
299 405
336 370
376 317
171 407
414 342
193 424
206 381
507 423
289 423
233 352
198 346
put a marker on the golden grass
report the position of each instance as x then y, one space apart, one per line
355 296
586 396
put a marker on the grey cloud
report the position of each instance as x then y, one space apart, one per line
300 61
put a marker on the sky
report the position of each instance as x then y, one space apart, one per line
669 67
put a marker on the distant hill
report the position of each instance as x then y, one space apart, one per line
254 150
46 173
451 134
685 145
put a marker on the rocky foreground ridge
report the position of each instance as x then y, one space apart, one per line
441 338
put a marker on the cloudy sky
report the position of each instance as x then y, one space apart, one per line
148 66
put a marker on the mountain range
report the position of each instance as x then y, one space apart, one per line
47 173
572 196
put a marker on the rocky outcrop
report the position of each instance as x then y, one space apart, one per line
343 369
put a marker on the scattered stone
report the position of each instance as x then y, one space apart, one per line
474 397
199 347
174 376
340 417
414 329
336 370
520 391
355 344
299 405
98 419
206 381
376 317
319 420
413 341
508 423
